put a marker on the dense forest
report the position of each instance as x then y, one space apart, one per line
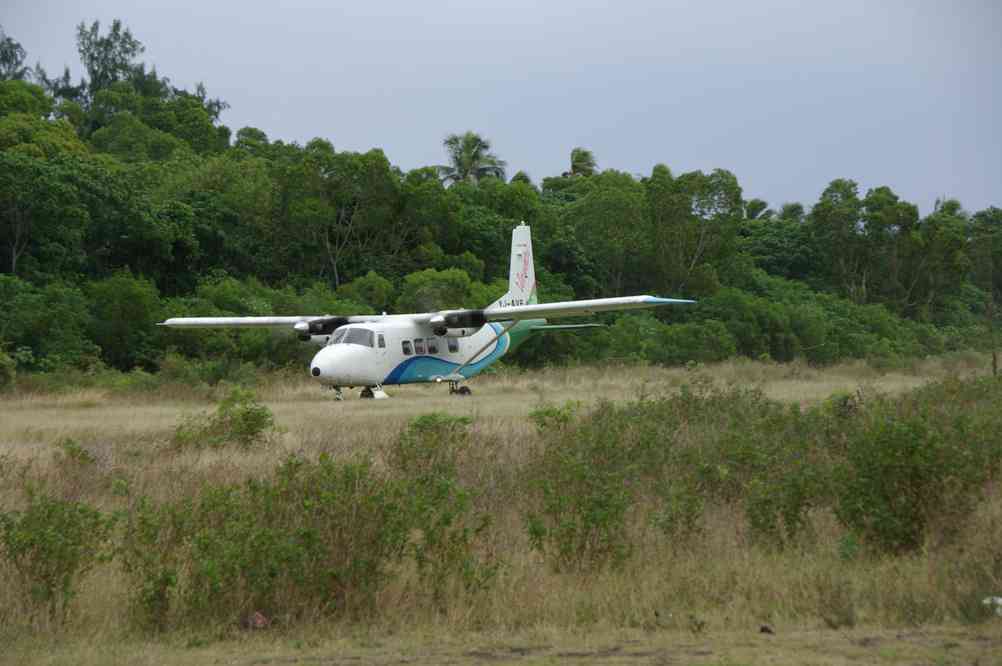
125 200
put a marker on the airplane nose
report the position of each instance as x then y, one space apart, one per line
322 367
328 366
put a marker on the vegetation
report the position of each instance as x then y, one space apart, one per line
713 504
124 199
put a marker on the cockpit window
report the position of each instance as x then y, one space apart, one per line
359 336
338 336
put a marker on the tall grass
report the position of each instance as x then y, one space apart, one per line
696 501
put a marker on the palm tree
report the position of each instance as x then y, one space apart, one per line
471 159
583 162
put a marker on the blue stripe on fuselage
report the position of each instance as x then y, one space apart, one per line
423 368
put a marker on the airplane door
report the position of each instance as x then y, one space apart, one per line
381 345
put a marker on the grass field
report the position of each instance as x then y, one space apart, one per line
704 603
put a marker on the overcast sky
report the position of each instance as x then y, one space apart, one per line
786 94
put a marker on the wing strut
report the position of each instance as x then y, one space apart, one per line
457 375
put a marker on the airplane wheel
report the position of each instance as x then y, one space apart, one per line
464 390
366 393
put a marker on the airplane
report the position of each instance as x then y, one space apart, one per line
373 351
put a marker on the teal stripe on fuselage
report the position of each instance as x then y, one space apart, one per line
424 368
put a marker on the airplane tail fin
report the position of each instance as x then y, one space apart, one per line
522 271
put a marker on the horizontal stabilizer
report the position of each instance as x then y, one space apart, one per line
566 327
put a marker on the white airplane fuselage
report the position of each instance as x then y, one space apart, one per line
398 350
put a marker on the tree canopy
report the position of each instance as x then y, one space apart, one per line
124 199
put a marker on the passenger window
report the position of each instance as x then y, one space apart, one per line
406 344
418 346
432 346
453 345
382 341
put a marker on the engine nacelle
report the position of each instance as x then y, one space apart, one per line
459 324
306 330
455 332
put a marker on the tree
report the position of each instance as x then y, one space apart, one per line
40 208
470 159
583 162
125 311
107 58
986 255
522 177
757 209
694 220
430 290
792 211
45 326
130 140
836 224
371 289
23 97
609 224
12 56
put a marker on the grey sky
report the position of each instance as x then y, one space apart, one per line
787 95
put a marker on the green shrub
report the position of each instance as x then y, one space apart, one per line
52 544
8 371
918 464
426 459
239 419
314 538
581 481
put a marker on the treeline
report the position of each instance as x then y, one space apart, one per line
123 200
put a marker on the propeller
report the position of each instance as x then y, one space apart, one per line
318 326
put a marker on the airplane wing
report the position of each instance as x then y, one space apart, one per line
307 325
476 318
302 324
577 308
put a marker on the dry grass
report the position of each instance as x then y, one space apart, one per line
704 602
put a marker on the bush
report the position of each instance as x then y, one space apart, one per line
919 463
8 371
581 481
239 419
315 538
426 459
52 545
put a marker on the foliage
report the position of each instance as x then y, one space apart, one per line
315 537
470 159
427 457
913 470
8 371
53 544
122 173
582 478
239 419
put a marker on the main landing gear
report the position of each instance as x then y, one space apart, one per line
456 389
373 393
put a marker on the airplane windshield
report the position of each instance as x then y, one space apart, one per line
354 336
